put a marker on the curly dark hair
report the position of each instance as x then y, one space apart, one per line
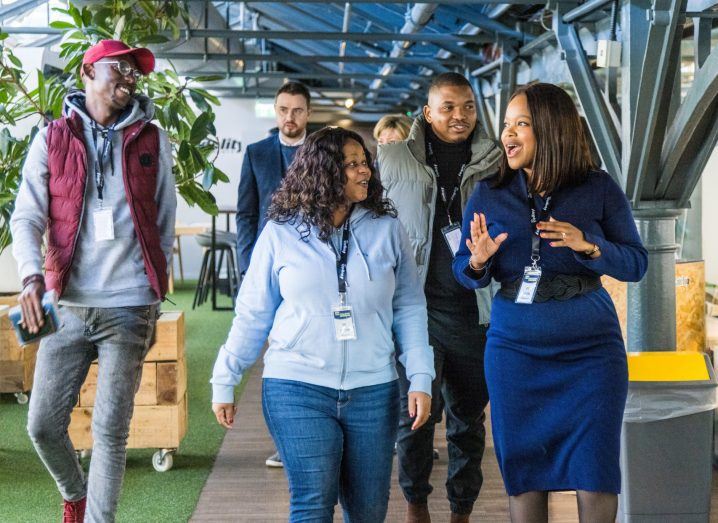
314 185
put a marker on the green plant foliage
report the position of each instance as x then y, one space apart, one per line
183 108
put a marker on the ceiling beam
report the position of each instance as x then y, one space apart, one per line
307 76
288 57
445 2
487 24
267 93
18 8
584 10
334 35
31 30
296 35
345 91
305 21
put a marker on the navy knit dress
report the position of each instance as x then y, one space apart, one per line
556 370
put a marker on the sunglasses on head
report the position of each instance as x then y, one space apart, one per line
124 68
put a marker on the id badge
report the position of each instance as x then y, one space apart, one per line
529 284
452 235
344 323
104 225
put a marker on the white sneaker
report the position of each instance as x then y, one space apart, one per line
274 461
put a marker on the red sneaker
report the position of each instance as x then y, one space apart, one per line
74 511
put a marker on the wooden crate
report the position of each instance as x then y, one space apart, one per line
9 299
16 375
160 415
10 349
171 381
169 345
163 383
690 295
152 426
17 363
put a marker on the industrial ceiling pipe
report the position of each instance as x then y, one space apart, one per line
418 18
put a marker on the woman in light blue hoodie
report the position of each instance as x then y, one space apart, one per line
333 285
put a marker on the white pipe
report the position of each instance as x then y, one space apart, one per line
345 29
419 16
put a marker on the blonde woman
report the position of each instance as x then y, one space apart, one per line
392 128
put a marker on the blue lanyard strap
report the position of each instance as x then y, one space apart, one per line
534 218
343 260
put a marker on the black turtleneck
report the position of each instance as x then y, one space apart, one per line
443 293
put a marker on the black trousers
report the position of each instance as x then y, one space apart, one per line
460 390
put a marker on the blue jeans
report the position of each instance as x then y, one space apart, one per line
334 444
119 338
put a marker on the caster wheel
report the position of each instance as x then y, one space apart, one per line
162 461
22 398
83 454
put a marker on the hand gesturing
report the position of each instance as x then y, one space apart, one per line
481 245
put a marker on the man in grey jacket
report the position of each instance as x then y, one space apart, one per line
430 176
100 181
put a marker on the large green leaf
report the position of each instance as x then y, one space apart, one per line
59 24
200 128
199 100
153 39
208 78
208 177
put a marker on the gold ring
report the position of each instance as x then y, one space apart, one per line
564 235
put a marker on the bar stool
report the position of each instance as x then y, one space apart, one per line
224 246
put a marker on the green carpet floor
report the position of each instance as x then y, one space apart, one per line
28 494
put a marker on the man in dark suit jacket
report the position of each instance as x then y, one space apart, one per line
266 162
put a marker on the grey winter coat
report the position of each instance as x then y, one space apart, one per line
411 184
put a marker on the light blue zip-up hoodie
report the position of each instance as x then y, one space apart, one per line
287 297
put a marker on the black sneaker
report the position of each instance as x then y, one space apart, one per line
274 461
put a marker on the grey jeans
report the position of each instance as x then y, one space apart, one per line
119 338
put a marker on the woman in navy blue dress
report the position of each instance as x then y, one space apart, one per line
547 228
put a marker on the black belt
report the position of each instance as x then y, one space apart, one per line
561 287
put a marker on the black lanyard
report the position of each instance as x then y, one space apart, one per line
536 234
342 261
442 190
100 156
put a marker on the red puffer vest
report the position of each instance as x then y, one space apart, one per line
67 165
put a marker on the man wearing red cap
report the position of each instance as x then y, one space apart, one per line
99 181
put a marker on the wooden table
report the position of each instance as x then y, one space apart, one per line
184 230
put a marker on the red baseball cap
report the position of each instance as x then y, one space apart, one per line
104 48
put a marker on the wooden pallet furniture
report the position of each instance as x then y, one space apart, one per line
690 304
17 363
160 415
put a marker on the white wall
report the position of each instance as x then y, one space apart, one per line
237 126
710 218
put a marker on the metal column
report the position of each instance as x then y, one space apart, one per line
652 301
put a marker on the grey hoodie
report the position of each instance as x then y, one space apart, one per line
108 273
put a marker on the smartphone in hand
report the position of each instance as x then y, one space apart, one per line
50 325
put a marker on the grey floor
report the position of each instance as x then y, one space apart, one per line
241 488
